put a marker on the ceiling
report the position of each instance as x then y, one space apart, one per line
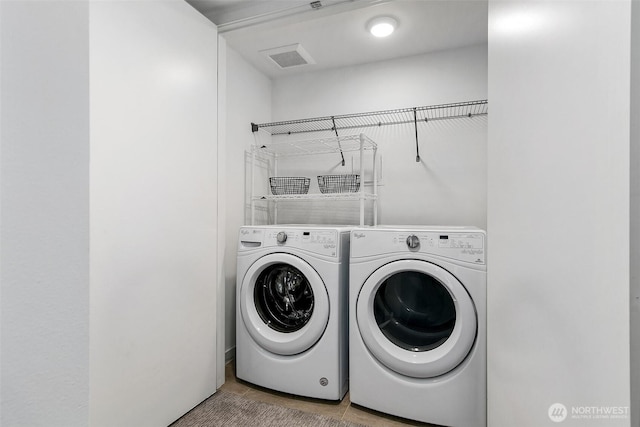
335 35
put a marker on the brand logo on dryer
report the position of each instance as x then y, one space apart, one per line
359 235
245 232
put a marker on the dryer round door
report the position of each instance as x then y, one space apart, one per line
416 318
284 304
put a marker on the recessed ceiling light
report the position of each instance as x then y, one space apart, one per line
382 26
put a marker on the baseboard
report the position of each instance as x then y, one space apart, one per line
229 355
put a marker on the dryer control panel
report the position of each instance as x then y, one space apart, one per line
318 241
466 245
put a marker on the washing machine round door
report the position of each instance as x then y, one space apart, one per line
284 304
416 318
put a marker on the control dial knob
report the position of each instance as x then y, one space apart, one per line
281 237
413 242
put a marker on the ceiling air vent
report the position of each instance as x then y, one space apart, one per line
292 55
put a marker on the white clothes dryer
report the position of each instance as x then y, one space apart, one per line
292 302
417 328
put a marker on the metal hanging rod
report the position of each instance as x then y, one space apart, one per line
415 124
338 139
375 118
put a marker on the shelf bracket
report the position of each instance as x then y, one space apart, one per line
415 124
335 129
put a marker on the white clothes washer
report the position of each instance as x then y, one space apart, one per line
417 328
292 301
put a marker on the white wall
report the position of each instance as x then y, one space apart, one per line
433 78
44 199
1 278
248 99
151 191
153 211
449 185
635 214
558 210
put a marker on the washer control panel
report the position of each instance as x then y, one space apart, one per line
317 241
461 244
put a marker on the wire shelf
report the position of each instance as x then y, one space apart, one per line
312 147
315 196
376 118
317 146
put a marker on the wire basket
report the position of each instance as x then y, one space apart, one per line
349 183
289 185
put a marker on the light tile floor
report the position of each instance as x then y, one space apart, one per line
343 410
